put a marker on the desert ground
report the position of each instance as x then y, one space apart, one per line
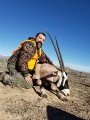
26 104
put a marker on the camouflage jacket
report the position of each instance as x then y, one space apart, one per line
24 54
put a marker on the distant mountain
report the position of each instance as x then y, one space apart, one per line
3 59
1 56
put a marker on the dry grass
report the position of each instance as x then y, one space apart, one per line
22 104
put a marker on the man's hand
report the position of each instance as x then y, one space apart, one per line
28 79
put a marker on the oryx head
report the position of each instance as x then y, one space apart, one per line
62 83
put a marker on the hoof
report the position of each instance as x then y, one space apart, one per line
62 97
43 95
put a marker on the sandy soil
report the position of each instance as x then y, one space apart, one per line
26 104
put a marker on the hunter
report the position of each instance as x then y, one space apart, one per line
22 63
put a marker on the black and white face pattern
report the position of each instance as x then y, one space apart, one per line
63 84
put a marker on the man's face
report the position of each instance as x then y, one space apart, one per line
40 38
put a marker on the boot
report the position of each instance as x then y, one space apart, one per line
8 80
2 75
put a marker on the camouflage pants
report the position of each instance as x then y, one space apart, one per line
15 78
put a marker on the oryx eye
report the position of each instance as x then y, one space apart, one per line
63 77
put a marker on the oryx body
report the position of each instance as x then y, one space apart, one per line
51 76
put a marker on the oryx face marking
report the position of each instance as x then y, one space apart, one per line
63 84
61 81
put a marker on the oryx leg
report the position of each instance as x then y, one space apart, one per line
59 94
36 77
54 87
42 90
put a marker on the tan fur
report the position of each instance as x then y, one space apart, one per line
51 74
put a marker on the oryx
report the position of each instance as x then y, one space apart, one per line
50 75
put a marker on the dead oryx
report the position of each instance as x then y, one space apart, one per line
50 75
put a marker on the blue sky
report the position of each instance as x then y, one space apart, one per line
69 20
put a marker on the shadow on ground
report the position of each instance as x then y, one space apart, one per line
57 114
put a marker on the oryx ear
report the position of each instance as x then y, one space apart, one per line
55 73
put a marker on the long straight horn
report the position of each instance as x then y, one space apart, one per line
54 47
63 68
